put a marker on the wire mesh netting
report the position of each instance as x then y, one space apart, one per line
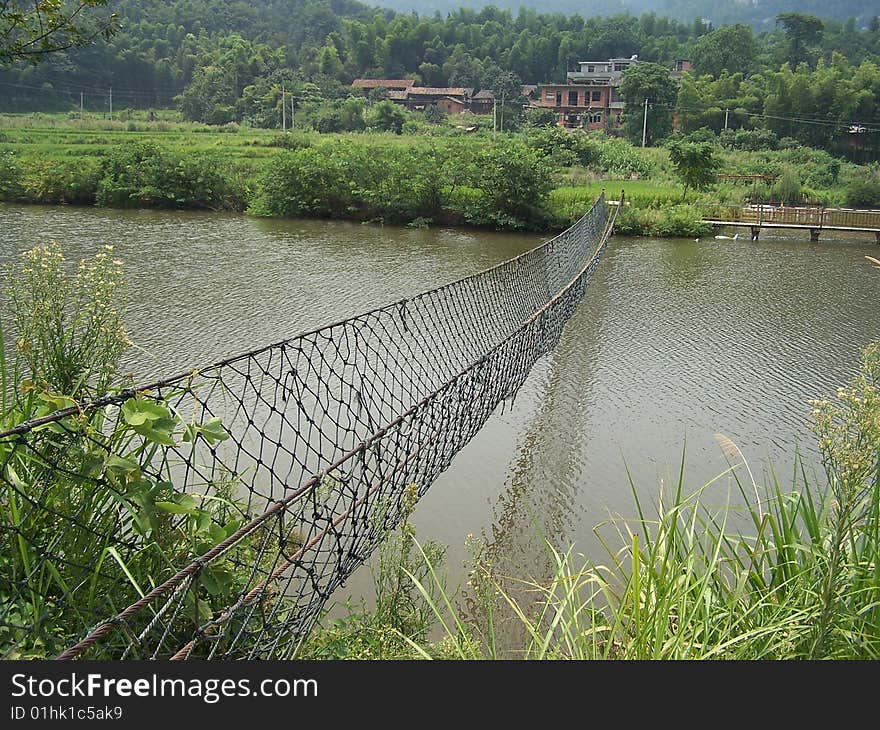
212 514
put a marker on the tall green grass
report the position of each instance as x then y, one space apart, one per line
775 573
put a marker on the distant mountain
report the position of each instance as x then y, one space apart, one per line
761 14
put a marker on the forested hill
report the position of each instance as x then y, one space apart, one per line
760 14
235 53
278 22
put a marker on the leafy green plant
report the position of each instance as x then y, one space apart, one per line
10 176
863 193
89 512
147 175
695 164
70 332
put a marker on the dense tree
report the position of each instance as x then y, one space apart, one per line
161 43
228 60
386 116
803 33
210 97
731 48
651 82
694 163
815 107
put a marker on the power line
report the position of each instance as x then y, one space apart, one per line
91 91
798 120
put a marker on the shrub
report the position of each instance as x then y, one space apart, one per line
148 175
538 117
61 181
863 193
70 331
391 183
434 114
515 182
10 187
562 148
386 116
749 139
291 140
503 186
788 187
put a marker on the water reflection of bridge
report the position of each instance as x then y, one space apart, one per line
813 219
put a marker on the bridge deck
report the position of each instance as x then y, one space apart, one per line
799 226
812 219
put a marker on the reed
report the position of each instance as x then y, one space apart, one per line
774 573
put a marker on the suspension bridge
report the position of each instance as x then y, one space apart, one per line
212 514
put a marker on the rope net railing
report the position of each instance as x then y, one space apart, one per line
212 514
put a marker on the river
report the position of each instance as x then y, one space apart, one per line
676 341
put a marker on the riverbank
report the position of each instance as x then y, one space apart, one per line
539 179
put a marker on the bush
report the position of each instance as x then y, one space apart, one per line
818 169
434 114
62 181
638 219
515 182
788 187
386 116
749 139
10 188
560 147
538 117
503 186
351 180
292 140
150 176
703 134
863 193
619 159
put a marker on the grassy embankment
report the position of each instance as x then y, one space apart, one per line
539 179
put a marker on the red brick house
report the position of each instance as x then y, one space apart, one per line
451 105
588 106
589 99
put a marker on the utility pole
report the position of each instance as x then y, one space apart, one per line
494 116
726 115
645 124
292 114
111 102
80 106
283 110
502 111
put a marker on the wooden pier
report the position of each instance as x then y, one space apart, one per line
813 219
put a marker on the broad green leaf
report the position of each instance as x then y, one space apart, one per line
159 431
213 431
138 411
175 509
121 465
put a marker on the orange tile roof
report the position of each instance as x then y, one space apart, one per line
439 91
386 83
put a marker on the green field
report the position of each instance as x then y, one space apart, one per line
59 158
